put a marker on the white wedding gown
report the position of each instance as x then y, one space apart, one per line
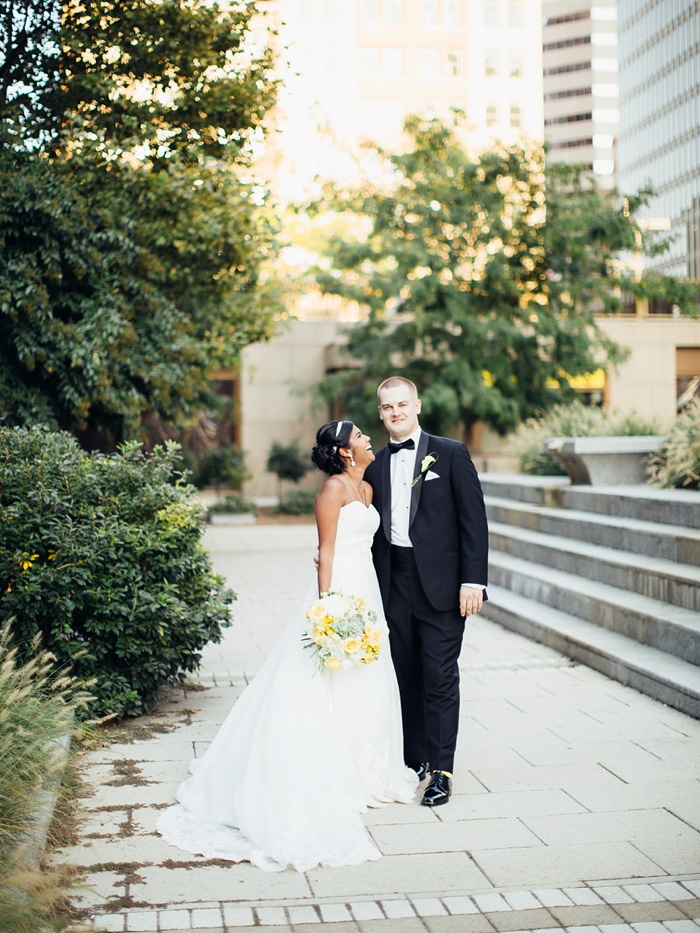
303 752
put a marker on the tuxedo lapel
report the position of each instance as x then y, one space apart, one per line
421 451
385 480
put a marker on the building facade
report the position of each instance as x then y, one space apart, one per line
659 144
580 84
354 69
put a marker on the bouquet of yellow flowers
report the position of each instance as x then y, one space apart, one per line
342 631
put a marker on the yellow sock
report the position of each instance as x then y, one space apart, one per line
446 773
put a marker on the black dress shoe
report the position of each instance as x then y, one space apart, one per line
422 770
438 790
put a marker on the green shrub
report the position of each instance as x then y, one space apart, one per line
223 465
297 502
677 466
575 420
287 462
235 504
103 559
36 717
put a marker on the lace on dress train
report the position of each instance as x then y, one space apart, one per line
303 752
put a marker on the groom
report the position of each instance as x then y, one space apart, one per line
430 553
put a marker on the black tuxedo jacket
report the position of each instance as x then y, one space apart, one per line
447 525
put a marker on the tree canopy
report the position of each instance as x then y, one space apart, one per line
481 276
134 241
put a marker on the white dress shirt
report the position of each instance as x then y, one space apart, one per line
403 463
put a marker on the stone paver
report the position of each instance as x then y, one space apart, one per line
576 800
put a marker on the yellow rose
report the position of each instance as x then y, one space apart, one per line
316 612
333 664
371 637
351 644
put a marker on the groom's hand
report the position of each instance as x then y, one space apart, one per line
471 599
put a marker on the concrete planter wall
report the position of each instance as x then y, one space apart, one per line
605 461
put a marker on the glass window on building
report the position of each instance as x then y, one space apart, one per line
332 10
308 12
491 115
452 13
516 116
394 114
515 14
333 63
429 15
454 66
429 64
370 114
370 12
491 64
515 64
369 62
491 13
393 63
393 13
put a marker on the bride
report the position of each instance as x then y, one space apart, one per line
305 751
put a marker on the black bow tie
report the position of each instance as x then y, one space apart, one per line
404 445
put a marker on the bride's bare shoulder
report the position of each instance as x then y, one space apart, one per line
333 493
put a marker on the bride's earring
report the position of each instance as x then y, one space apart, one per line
352 462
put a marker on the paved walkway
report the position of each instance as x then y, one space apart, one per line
576 800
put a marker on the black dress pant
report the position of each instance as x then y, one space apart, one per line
425 647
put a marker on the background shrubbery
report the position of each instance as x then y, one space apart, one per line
574 420
297 502
102 557
218 465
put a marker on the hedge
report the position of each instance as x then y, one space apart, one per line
102 557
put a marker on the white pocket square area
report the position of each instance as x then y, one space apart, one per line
430 475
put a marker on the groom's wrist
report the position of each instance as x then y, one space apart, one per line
475 586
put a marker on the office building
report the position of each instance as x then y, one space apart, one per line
659 144
580 84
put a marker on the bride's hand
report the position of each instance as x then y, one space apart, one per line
316 560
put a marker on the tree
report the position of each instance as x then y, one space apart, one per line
481 276
29 67
287 462
135 250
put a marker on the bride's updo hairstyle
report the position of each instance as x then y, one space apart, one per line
326 451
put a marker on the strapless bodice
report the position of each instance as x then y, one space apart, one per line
356 527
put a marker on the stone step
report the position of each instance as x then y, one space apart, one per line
668 542
648 621
642 503
666 678
663 580
667 506
537 490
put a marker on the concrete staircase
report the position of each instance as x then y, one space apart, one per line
609 576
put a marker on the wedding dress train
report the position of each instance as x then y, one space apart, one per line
303 752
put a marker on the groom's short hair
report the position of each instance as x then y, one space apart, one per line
393 381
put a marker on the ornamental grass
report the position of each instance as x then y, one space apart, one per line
677 465
37 717
572 420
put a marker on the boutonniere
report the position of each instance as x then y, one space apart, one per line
427 461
